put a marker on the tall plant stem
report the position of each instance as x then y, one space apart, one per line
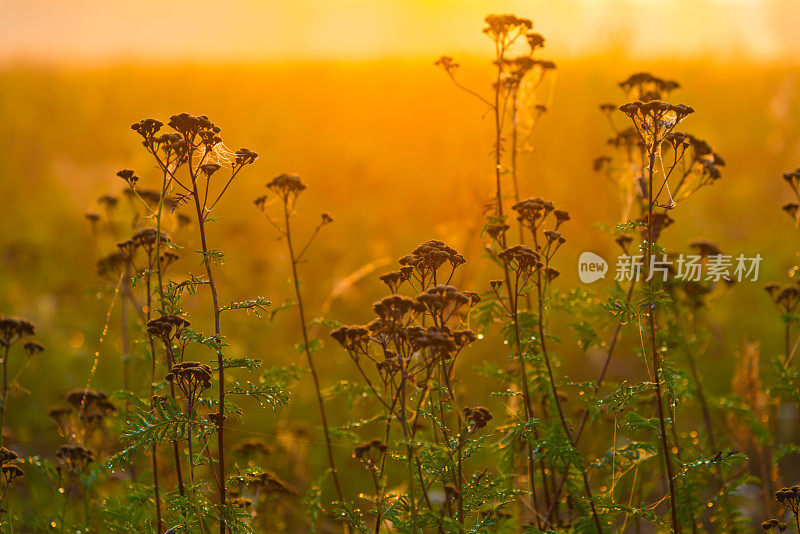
526 396
554 388
651 316
160 287
512 297
307 350
126 364
126 349
585 418
412 505
154 448
220 363
498 129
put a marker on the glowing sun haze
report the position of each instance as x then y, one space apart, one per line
271 30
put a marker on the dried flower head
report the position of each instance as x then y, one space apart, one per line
521 258
286 186
447 63
11 472
478 416
146 239
129 176
654 120
506 28
167 327
192 378
644 86
789 498
7 455
74 457
245 156
147 128
32 348
12 329
427 258
771 524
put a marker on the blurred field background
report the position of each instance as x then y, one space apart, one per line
387 146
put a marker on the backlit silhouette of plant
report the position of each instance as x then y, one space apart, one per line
407 359
287 188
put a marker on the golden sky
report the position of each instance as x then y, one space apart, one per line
279 30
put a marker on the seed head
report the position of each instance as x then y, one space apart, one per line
7 455
501 27
209 168
147 128
478 416
167 327
792 208
191 377
522 257
287 186
428 257
32 348
129 177
793 178
59 414
108 201
535 40
354 339
362 450
12 329
74 457
789 498
644 86
447 63
12 472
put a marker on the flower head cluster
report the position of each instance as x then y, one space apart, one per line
646 87
369 452
655 119
774 525
167 328
426 260
192 378
793 208
789 498
88 409
786 298
74 457
478 416
10 470
397 340
287 186
505 29
14 329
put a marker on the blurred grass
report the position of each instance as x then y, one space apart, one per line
397 156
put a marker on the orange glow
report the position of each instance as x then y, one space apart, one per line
257 30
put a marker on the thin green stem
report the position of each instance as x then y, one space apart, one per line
654 349
307 350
